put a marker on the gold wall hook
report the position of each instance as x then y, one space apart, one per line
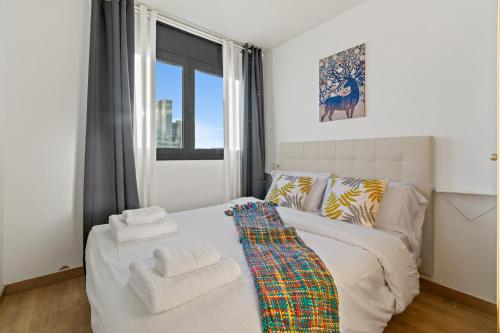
493 156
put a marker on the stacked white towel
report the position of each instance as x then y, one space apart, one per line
144 215
123 232
176 259
165 287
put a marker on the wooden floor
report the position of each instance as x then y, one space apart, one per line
63 308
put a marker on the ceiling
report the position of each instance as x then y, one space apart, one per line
264 23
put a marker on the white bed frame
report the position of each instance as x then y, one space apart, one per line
408 159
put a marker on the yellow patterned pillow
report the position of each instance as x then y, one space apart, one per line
290 191
353 200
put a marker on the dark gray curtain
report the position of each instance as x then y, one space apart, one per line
110 184
253 182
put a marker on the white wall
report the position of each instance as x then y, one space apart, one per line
3 88
1 199
430 70
1 189
188 184
46 53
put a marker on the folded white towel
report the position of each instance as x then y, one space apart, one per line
176 259
161 293
144 215
123 232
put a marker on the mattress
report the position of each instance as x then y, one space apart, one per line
375 275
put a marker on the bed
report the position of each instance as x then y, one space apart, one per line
383 280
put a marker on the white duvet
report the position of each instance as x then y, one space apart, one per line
375 274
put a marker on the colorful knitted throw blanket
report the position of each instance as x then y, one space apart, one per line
296 291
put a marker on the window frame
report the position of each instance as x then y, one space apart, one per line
188 150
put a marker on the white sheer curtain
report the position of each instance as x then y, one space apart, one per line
233 120
145 105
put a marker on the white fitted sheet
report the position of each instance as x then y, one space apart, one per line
374 273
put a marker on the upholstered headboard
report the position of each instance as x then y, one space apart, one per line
408 159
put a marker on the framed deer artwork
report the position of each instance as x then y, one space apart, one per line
342 85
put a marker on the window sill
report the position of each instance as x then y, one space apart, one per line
199 155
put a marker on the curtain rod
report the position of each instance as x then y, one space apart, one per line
167 19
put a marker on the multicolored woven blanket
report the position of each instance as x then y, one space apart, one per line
295 289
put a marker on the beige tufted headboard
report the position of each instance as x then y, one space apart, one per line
408 159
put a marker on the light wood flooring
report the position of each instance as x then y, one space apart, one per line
63 308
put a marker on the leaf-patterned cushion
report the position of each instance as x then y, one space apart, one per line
290 191
353 200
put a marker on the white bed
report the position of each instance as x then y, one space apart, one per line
375 274
367 302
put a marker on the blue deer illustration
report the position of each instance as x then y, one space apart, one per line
343 103
342 82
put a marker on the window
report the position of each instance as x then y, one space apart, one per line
168 105
208 104
189 97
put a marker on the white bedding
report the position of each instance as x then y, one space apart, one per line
375 274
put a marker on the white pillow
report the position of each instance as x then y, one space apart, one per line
315 197
402 209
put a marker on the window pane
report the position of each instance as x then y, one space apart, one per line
209 111
168 105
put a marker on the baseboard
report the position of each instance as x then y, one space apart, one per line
2 295
459 297
41 281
